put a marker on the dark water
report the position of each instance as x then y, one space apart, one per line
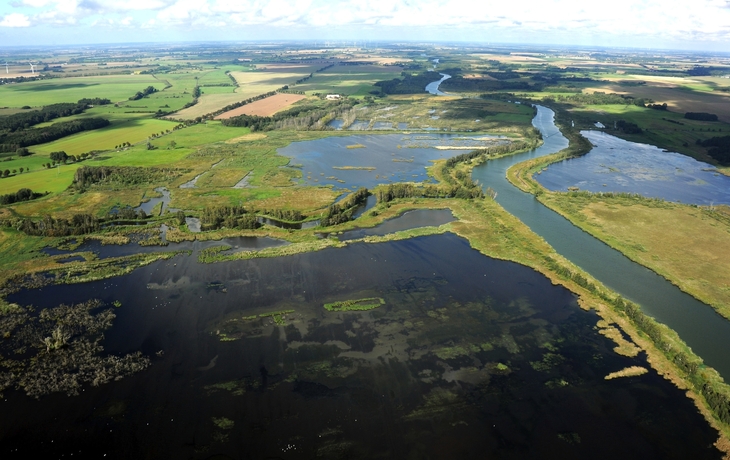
706 332
388 157
411 219
148 206
616 165
470 357
104 251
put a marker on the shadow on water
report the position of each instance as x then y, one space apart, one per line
104 251
706 332
469 357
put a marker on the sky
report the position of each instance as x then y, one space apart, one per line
702 25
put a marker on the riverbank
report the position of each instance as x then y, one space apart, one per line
686 244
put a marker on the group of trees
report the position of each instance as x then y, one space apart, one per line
410 84
627 127
25 120
86 176
79 224
701 116
718 148
290 215
144 93
228 217
304 117
12 141
343 211
459 83
24 194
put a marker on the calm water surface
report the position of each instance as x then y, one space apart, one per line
616 165
706 332
381 159
470 357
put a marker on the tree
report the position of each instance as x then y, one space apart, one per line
21 170
58 156
22 152
6 173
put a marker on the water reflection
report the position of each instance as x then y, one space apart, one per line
469 357
617 165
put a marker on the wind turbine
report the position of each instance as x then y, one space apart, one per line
32 68
6 67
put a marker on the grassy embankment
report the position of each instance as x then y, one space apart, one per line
686 244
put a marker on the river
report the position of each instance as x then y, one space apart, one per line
706 332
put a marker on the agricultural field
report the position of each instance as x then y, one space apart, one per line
264 107
250 84
350 80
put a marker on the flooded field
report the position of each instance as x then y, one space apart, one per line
421 348
616 165
368 160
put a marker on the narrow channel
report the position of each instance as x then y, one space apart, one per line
706 332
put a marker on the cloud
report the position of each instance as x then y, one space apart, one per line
15 20
651 19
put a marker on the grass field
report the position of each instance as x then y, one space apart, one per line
44 92
42 180
349 80
687 245
695 98
133 131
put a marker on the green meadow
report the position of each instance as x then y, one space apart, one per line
44 92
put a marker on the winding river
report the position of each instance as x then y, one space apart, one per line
706 332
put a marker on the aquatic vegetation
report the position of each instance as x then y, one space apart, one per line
549 360
58 350
632 371
356 146
355 305
223 423
355 168
278 316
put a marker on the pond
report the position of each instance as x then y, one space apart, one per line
150 204
462 356
408 220
368 160
617 165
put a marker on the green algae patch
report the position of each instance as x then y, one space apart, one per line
355 305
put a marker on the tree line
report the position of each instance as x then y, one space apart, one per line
25 120
144 93
718 148
409 84
11 142
87 176
342 212
459 83
24 194
307 116
227 216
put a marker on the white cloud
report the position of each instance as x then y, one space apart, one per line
15 20
653 19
